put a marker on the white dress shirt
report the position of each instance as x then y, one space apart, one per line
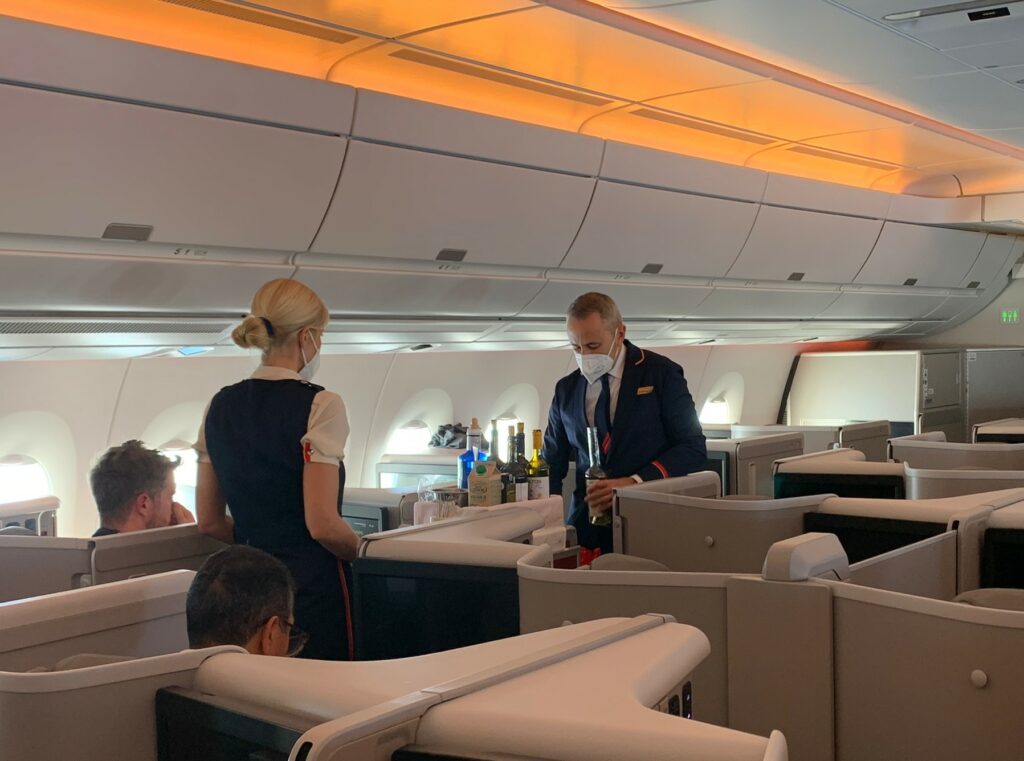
614 382
327 427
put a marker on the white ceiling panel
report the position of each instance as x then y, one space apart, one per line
956 30
810 36
1009 136
998 54
971 101
10 355
96 352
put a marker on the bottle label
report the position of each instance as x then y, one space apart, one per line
522 491
540 487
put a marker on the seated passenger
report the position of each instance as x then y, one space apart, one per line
134 490
244 596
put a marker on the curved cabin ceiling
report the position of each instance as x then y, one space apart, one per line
813 88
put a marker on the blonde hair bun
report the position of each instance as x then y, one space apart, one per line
288 306
252 333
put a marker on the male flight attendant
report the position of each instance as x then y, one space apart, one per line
639 403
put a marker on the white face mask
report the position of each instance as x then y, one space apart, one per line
310 366
593 366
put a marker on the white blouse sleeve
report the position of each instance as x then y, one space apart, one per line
327 431
202 455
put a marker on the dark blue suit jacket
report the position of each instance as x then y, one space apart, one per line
655 433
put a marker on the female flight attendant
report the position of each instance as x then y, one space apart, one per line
271 450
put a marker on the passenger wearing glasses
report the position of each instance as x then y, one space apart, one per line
244 596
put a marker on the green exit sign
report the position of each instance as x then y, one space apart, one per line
1010 316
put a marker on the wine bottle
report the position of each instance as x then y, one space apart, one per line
540 471
515 475
594 474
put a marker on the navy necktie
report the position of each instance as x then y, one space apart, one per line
603 415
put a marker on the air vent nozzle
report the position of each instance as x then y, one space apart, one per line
910 281
652 269
118 231
796 277
974 284
421 347
450 255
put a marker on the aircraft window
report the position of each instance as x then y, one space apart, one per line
186 473
503 424
22 478
716 411
411 438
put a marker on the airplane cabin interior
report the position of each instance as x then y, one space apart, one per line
570 380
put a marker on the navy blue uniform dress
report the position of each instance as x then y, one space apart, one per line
254 437
654 434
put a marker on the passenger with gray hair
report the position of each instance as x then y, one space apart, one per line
243 596
134 490
647 427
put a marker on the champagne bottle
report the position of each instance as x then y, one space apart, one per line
594 474
540 472
521 445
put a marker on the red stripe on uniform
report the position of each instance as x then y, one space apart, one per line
659 466
348 612
307 452
606 444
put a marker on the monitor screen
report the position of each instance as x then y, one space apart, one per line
365 519
1002 558
866 537
191 726
1001 438
405 608
840 484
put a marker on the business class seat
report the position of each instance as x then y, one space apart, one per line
38 515
886 663
32 566
601 690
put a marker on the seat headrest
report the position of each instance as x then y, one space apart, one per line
17 531
617 562
1003 599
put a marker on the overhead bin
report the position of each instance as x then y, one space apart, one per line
790 244
635 301
660 169
935 211
924 256
883 306
416 124
91 283
994 262
410 204
368 292
765 303
72 165
630 227
56 58
422 179
799 193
